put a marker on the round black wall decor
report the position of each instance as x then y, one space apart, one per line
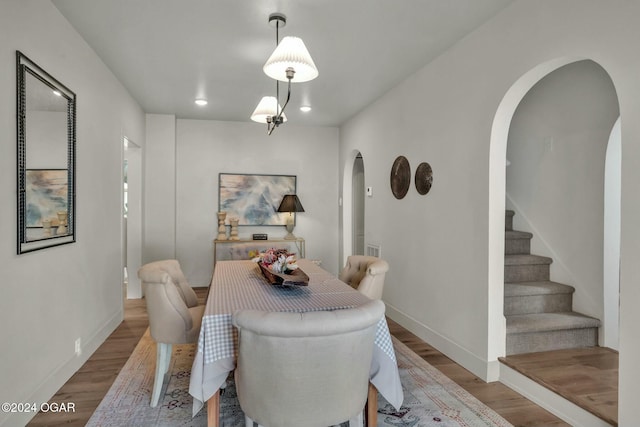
400 177
424 178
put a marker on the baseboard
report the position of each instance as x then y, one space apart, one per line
61 375
556 404
487 371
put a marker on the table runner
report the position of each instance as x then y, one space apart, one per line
240 285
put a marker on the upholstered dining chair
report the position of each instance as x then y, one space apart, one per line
172 267
366 274
171 319
305 369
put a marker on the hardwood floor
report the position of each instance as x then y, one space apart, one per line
516 409
89 385
587 377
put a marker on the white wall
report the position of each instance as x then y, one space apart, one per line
557 144
446 269
206 148
611 262
53 296
159 213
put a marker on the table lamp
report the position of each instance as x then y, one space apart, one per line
290 203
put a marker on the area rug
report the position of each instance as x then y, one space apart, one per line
430 398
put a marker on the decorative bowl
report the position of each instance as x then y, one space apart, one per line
295 277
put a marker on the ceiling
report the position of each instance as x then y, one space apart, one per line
167 53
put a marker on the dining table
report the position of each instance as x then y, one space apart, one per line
238 285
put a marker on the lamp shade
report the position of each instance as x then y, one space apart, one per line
291 52
290 203
267 107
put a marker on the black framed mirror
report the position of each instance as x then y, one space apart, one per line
46 134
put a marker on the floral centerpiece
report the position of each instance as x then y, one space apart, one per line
280 268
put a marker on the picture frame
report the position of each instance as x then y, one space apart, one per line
46 194
254 198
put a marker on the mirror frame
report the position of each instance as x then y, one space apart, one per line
23 66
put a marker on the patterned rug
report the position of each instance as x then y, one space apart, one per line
430 398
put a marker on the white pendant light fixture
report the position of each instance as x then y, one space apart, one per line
289 62
291 53
267 107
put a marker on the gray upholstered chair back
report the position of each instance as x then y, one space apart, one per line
172 267
170 320
305 369
366 274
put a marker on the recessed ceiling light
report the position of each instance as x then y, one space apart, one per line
201 102
305 108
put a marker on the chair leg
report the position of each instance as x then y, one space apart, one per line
358 421
168 348
163 357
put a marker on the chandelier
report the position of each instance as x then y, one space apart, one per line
290 62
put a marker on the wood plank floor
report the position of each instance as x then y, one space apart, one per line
513 407
89 385
587 377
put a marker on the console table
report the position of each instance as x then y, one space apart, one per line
239 249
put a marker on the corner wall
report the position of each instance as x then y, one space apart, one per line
445 266
53 296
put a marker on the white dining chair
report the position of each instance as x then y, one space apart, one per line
171 321
366 274
305 369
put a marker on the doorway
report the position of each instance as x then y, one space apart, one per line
131 218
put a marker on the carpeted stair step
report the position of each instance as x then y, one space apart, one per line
537 297
517 242
526 268
530 333
508 220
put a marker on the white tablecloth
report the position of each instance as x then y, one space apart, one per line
240 285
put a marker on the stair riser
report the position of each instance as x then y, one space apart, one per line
551 340
517 246
526 273
528 304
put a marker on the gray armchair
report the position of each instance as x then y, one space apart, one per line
305 369
171 320
366 274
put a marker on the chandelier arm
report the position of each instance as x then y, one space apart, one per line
278 119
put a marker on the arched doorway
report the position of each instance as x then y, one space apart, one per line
497 195
555 184
358 205
353 205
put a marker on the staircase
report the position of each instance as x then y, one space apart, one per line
538 311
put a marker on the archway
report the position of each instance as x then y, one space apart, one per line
348 231
557 148
497 193
358 205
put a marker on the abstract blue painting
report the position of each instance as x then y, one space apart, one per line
254 199
46 193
